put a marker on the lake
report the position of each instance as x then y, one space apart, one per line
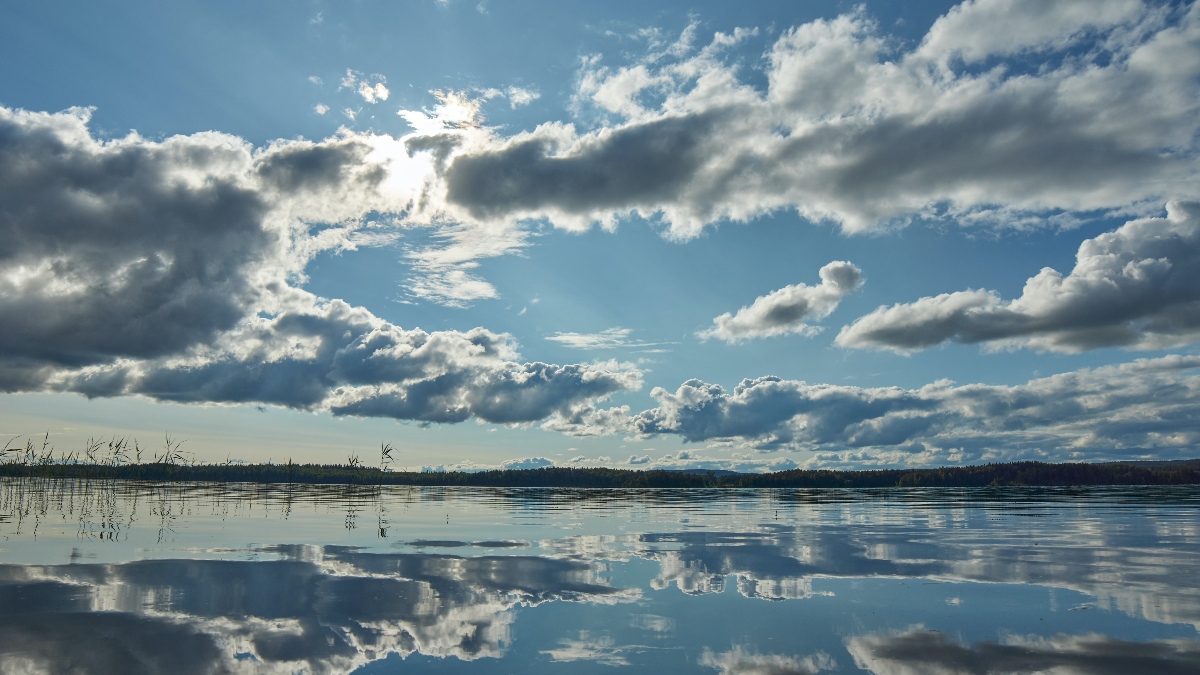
124 577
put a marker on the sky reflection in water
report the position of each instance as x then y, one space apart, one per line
111 577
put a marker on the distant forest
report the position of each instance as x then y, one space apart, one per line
1011 474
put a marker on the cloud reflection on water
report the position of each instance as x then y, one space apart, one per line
925 652
456 592
319 609
1143 568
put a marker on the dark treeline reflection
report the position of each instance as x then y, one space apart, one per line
667 563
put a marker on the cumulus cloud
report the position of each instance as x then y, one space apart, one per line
320 108
1136 287
788 309
925 651
526 463
588 420
1146 407
853 130
167 269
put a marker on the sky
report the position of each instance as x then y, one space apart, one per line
494 234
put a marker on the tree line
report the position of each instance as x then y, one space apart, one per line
1004 474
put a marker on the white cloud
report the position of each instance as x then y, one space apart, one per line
588 420
638 459
526 463
316 80
970 30
518 96
789 309
610 338
1137 287
370 92
350 113
373 93
851 131
320 108
1144 408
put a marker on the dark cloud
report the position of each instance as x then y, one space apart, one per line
620 169
518 394
924 651
1138 287
123 249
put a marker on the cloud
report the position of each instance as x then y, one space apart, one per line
526 463
692 460
371 93
316 80
518 96
638 459
166 269
850 129
1135 287
788 309
320 108
969 30
1146 407
588 420
925 651
610 338
739 661
854 130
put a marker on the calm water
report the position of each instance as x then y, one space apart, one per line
115 577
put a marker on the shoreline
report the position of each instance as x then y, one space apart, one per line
1024 474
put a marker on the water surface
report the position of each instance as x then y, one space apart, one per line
122 577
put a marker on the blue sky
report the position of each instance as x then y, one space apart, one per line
694 235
